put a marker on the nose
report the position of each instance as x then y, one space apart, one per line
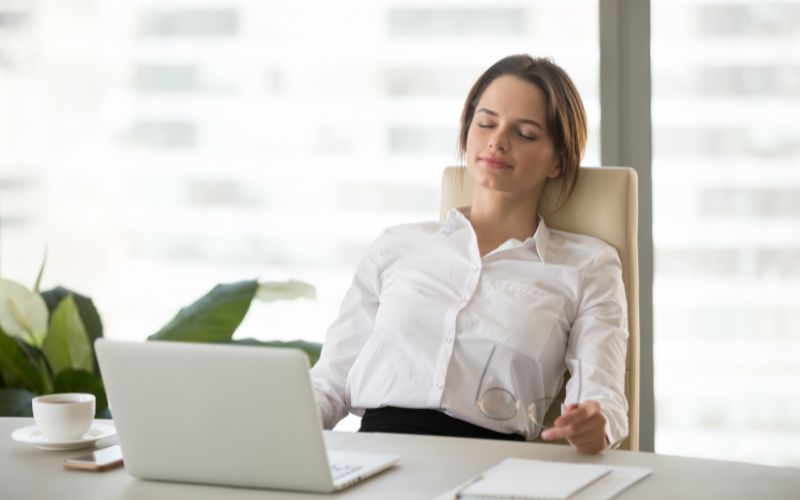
498 140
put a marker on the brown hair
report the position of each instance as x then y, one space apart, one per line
566 116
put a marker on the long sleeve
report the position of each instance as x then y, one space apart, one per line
345 338
598 339
424 310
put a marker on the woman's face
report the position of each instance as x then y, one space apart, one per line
509 148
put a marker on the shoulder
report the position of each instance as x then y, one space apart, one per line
401 238
579 249
599 265
412 230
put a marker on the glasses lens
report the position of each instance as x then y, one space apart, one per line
498 404
537 412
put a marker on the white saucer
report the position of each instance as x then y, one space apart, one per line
32 435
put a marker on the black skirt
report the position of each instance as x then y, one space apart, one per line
433 422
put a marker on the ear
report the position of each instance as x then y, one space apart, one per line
555 171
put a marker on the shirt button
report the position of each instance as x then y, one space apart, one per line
449 339
439 385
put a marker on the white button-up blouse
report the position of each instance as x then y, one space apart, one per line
416 327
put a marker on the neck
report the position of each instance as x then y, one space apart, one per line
497 217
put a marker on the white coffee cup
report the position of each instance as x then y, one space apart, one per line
64 417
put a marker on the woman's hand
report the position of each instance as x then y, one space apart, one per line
584 426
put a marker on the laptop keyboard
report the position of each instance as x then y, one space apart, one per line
341 470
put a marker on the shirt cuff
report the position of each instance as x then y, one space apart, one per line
324 410
610 443
613 439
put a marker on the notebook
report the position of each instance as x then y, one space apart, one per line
223 414
533 479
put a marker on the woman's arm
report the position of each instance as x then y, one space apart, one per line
346 336
598 338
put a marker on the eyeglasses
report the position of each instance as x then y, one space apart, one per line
498 403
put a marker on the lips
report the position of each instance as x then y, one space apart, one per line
494 162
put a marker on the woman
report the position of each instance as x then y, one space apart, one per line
448 326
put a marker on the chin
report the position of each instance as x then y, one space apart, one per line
488 182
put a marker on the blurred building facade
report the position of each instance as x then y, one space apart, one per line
726 228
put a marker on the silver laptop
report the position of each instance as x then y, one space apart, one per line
223 414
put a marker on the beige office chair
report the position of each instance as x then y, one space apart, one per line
604 205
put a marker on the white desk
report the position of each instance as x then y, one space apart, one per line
429 466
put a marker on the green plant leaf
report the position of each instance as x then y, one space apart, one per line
269 291
312 349
16 402
18 372
41 272
23 313
67 343
71 380
88 312
213 317
39 362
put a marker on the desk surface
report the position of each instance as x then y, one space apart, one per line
429 467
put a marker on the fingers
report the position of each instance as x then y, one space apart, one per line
592 444
586 438
582 425
577 413
574 430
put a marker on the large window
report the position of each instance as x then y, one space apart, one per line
160 147
726 194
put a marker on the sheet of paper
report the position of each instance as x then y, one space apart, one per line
612 484
536 479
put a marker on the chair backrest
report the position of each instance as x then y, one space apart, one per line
603 204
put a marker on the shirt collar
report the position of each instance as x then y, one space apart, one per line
541 238
455 219
539 241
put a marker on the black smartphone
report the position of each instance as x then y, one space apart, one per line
97 461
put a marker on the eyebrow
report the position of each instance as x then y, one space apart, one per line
521 120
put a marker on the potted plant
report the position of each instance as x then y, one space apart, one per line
47 338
